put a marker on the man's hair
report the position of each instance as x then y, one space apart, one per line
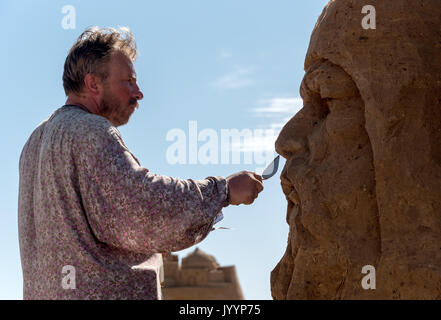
91 52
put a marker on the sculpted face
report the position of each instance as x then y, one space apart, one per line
328 181
121 92
362 176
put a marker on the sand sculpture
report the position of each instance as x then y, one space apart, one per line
199 277
363 171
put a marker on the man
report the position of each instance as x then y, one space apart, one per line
92 221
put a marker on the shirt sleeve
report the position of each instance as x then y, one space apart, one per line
131 208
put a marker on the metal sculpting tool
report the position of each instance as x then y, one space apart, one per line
271 169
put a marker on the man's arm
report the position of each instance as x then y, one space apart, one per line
130 208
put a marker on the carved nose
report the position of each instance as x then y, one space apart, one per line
291 139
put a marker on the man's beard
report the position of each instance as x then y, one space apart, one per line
115 111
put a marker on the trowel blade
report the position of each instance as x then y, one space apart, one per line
271 169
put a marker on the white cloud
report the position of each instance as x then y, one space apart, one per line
278 106
239 78
277 112
263 142
225 54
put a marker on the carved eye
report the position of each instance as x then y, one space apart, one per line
321 110
325 106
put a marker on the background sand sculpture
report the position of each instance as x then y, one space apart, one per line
363 171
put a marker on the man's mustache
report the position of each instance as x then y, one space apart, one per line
133 103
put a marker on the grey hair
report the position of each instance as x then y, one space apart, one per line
91 52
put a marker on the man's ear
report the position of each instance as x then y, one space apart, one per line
93 84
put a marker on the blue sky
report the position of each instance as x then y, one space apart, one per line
223 64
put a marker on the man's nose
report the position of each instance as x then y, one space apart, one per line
138 94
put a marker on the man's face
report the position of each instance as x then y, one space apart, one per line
329 184
121 93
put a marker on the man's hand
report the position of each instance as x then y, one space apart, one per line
244 187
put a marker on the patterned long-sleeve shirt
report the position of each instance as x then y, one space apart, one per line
92 221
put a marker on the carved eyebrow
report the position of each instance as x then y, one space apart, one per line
330 81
